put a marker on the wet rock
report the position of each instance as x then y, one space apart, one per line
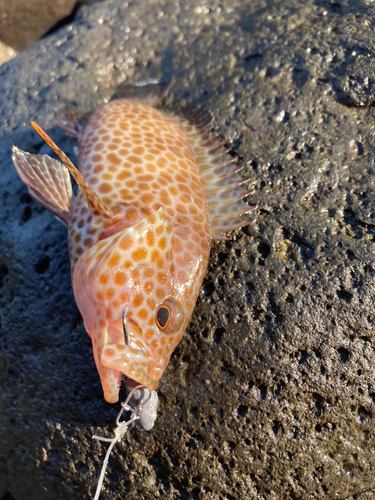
271 392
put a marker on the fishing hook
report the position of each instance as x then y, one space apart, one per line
124 328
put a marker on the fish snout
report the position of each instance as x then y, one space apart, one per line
131 355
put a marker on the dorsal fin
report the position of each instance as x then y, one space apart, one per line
220 177
94 202
73 118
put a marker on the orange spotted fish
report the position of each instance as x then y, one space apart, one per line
154 189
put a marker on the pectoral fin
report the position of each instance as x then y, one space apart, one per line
47 181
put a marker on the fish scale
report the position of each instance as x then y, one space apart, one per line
155 187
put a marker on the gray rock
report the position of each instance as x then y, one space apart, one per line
271 393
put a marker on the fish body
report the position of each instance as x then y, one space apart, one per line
155 187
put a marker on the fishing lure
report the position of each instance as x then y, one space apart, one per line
155 187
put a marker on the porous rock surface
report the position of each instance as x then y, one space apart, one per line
271 393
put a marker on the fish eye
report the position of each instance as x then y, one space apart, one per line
169 316
162 317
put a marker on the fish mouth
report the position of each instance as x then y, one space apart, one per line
126 351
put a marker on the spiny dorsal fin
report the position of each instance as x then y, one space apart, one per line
219 175
94 202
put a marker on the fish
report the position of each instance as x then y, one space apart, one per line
155 188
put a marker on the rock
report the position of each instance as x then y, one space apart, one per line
6 53
22 22
271 393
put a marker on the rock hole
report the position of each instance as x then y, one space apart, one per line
263 391
42 265
344 354
208 289
344 295
303 356
363 414
350 255
223 464
25 198
276 426
221 257
264 249
242 411
279 388
356 148
319 403
205 333
317 353
26 213
348 214
219 332
231 445
4 271
331 212
195 493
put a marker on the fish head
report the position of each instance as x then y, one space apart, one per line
125 289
